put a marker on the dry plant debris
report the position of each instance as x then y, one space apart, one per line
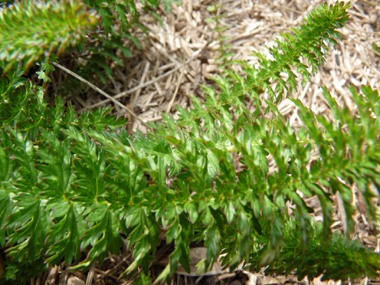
181 54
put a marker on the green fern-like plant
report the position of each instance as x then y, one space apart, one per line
32 30
71 183
224 50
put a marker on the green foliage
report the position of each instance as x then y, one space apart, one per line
224 51
119 22
118 18
20 273
72 183
303 49
32 30
37 165
340 257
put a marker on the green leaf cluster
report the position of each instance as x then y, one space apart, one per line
340 257
33 30
38 173
72 183
300 52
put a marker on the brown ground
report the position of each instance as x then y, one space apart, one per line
181 54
